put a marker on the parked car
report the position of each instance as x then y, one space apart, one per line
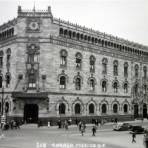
122 127
137 130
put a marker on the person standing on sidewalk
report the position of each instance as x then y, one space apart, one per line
83 127
93 130
133 137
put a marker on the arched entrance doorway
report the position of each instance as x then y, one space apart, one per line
136 114
144 111
31 113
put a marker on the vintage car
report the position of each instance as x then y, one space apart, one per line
122 127
137 129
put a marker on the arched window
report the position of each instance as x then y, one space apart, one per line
145 88
63 55
8 78
115 68
62 108
92 39
8 55
104 65
65 33
6 107
125 69
125 87
77 108
104 108
82 36
70 34
136 70
1 81
125 108
89 38
91 108
78 36
102 42
104 86
78 83
96 40
115 86
136 89
92 63
73 34
105 43
85 37
92 84
78 60
115 108
62 82
145 71
61 31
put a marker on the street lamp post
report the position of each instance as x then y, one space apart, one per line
3 117
2 100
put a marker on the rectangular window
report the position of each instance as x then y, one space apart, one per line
62 86
115 70
8 58
32 58
63 61
104 68
92 68
32 81
78 63
125 72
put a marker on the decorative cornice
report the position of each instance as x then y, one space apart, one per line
99 34
22 94
8 24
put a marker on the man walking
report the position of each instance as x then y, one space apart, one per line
93 130
133 137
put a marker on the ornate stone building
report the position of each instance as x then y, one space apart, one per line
51 69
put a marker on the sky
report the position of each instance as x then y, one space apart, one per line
127 19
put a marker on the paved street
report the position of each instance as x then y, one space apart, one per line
29 136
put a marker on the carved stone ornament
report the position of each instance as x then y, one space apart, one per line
32 48
33 25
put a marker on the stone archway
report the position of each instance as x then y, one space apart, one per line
31 113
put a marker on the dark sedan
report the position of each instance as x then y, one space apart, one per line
137 129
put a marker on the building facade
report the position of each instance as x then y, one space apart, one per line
51 69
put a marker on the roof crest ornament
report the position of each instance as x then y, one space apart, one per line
34 7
